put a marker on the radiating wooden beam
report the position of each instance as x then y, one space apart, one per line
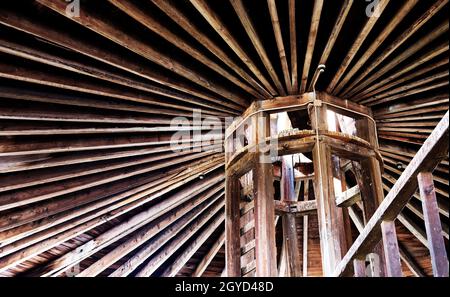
313 30
409 260
145 49
356 84
354 49
119 231
207 259
249 27
174 245
280 44
169 8
375 44
293 43
212 18
54 35
190 250
198 217
391 81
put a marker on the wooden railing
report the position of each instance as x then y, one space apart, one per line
418 174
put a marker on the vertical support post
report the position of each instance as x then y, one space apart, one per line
359 266
265 248
329 216
232 234
368 175
391 250
288 193
305 230
433 225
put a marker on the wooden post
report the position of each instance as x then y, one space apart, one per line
359 266
232 233
368 175
289 222
265 248
288 193
329 216
391 251
433 225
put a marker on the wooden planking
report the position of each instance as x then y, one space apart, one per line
60 61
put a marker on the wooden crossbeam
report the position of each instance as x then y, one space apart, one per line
349 197
299 208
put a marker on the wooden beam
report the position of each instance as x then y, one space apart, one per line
169 249
389 28
169 8
417 46
428 157
359 266
365 31
55 35
300 208
190 250
289 222
433 225
306 193
331 226
213 19
265 248
420 22
293 43
340 21
313 30
404 254
280 44
409 260
162 225
145 49
119 231
204 263
249 27
349 197
391 81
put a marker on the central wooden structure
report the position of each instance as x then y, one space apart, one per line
252 145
